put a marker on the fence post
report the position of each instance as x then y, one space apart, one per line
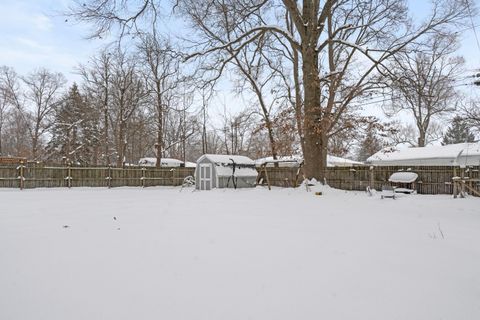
143 177
372 178
109 177
173 176
352 178
266 176
453 181
21 175
69 177
455 187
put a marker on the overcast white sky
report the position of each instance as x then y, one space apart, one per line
35 34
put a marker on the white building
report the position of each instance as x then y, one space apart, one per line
461 154
294 161
165 162
225 171
333 161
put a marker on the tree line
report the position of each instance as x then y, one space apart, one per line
128 105
308 70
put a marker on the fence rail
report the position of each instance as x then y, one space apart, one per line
48 177
431 179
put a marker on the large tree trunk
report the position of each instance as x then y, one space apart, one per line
273 146
263 106
298 100
315 153
159 144
121 145
35 139
105 118
94 158
34 148
105 134
67 147
421 139
268 123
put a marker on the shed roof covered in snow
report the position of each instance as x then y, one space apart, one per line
460 154
227 159
244 166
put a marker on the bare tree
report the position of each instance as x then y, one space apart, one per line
3 114
127 95
471 113
406 134
424 83
43 93
16 140
236 131
330 40
180 124
204 117
255 64
370 143
123 16
4 104
162 78
97 77
342 46
140 134
10 96
35 101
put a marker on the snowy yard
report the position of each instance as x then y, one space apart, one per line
246 254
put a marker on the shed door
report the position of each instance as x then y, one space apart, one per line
205 176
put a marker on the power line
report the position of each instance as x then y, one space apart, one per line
473 25
476 83
467 28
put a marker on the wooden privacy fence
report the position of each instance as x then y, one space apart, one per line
431 179
46 177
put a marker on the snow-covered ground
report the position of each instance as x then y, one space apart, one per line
162 253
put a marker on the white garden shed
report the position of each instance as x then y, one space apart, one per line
225 171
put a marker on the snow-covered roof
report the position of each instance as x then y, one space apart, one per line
452 154
333 161
227 159
165 162
283 161
403 177
189 164
295 160
244 166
